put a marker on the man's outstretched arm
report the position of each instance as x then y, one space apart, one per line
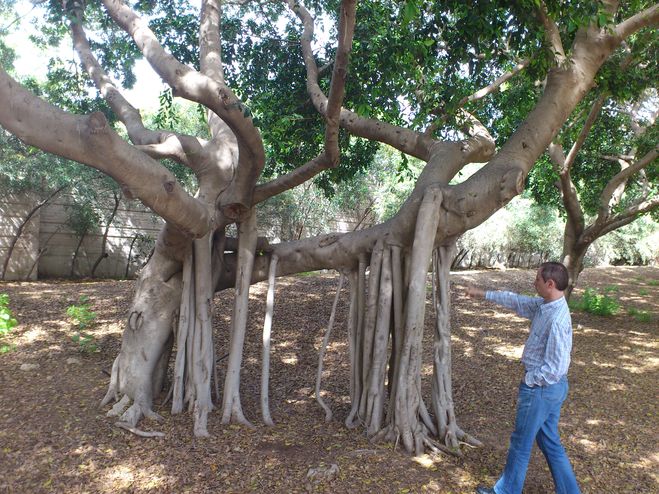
524 306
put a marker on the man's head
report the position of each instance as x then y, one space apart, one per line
551 280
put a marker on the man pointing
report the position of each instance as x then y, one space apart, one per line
544 385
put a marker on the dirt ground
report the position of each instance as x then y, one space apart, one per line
54 437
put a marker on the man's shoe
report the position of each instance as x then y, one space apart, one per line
484 490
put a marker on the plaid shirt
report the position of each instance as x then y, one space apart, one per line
546 355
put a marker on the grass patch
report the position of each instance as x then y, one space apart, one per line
7 320
82 318
653 282
7 323
306 274
596 303
639 315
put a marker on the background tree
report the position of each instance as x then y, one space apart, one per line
623 185
608 177
418 69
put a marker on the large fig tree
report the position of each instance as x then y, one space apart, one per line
418 74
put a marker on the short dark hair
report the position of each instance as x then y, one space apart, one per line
555 271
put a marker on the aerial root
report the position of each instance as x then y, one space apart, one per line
138 432
437 447
323 348
357 307
231 407
113 390
267 331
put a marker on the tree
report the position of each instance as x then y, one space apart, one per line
615 196
415 74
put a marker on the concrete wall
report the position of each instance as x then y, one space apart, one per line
52 238
13 212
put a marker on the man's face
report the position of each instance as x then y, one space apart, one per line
541 286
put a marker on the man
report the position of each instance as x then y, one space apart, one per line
544 386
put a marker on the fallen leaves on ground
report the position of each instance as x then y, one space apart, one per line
54 438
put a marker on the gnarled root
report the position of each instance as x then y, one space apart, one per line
132 415
138 432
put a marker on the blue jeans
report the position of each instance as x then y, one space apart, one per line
538 410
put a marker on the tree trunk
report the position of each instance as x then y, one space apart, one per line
573 261
104 240
74 257
138 372
574 251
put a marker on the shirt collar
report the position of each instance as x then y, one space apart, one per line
553 303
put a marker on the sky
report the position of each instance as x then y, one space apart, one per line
33 61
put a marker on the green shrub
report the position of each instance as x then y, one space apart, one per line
653 282
644 292
596 303
82 319
7 320
639 315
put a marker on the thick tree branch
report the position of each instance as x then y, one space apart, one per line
405 140
648 17
91 140
346 32
291 179
210 48
330 157
552 34
215 95
611 194
156 144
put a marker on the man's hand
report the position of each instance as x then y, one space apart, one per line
475 292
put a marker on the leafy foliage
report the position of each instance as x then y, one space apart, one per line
7 320
82 318
636 244
596 303
640 315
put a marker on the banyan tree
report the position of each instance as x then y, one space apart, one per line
421 77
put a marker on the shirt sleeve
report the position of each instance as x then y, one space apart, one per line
556 359
524 306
